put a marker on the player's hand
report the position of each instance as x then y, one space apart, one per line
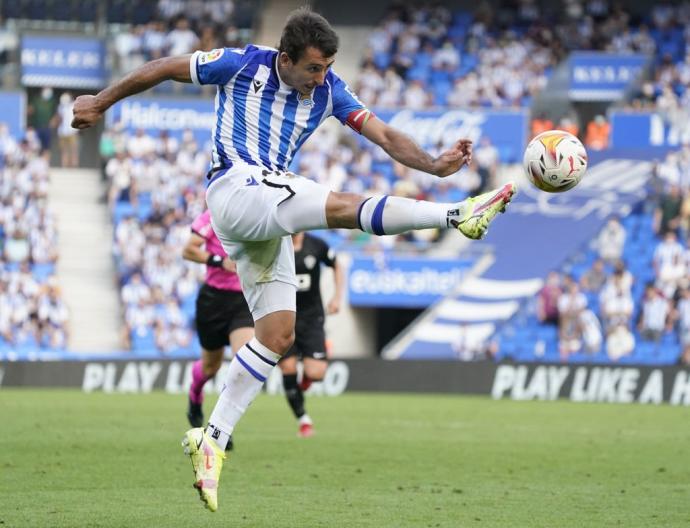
86 112
229 265
333 306
452 160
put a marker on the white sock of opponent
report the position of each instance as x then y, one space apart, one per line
248 370
392 215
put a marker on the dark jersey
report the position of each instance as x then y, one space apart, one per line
308 262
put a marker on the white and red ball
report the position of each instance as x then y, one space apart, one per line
555 161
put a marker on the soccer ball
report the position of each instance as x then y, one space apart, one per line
555 161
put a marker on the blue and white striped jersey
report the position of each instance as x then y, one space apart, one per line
260 119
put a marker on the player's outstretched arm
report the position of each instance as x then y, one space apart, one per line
403 148
89 109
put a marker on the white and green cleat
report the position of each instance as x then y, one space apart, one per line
207 462
482 209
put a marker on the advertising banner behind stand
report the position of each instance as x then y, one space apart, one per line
637 130
403 282
507 129
598 76
578 383
165 113
63 62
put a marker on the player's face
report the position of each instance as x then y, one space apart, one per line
308 72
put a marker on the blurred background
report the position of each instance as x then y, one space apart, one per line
92 223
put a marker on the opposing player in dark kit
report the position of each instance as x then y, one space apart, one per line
310 338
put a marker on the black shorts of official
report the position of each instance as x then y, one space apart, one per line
310 338
218 313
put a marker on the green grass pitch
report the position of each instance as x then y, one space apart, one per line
71 459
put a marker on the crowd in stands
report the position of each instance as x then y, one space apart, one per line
124 12
181 27
609 306
420 57
156 188
32 312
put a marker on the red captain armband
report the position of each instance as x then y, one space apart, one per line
357 118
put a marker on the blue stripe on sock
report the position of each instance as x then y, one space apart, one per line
265 360
250 369
377 217
359 213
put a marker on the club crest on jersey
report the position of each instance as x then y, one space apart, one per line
211 56
310 261
305 100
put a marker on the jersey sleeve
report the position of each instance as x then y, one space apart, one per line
217 66
201 223
347 108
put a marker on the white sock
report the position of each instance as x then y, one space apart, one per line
248 371
392 215
305 419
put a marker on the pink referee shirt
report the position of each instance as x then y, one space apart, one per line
216 277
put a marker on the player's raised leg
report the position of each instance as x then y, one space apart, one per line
390 215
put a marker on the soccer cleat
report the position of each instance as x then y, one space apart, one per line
194 414
207 462
482 209
305 430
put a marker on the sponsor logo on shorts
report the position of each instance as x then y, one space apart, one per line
319 355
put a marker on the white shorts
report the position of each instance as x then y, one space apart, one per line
253 212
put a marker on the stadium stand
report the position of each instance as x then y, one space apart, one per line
32 313
417 58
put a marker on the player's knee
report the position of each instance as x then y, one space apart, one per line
341 209
279 341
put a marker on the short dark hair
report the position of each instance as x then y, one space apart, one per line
304 29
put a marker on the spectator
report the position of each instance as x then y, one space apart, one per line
446 58
616 307
68 139
591 331
594 278
568 124
547 299
541 124
667 214
598 132
486 157
654 316
683 317
571 304
669 265
416 97
611 241
17 247
40 112
182 39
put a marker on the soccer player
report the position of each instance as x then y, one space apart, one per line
268 103
310 339
222 315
